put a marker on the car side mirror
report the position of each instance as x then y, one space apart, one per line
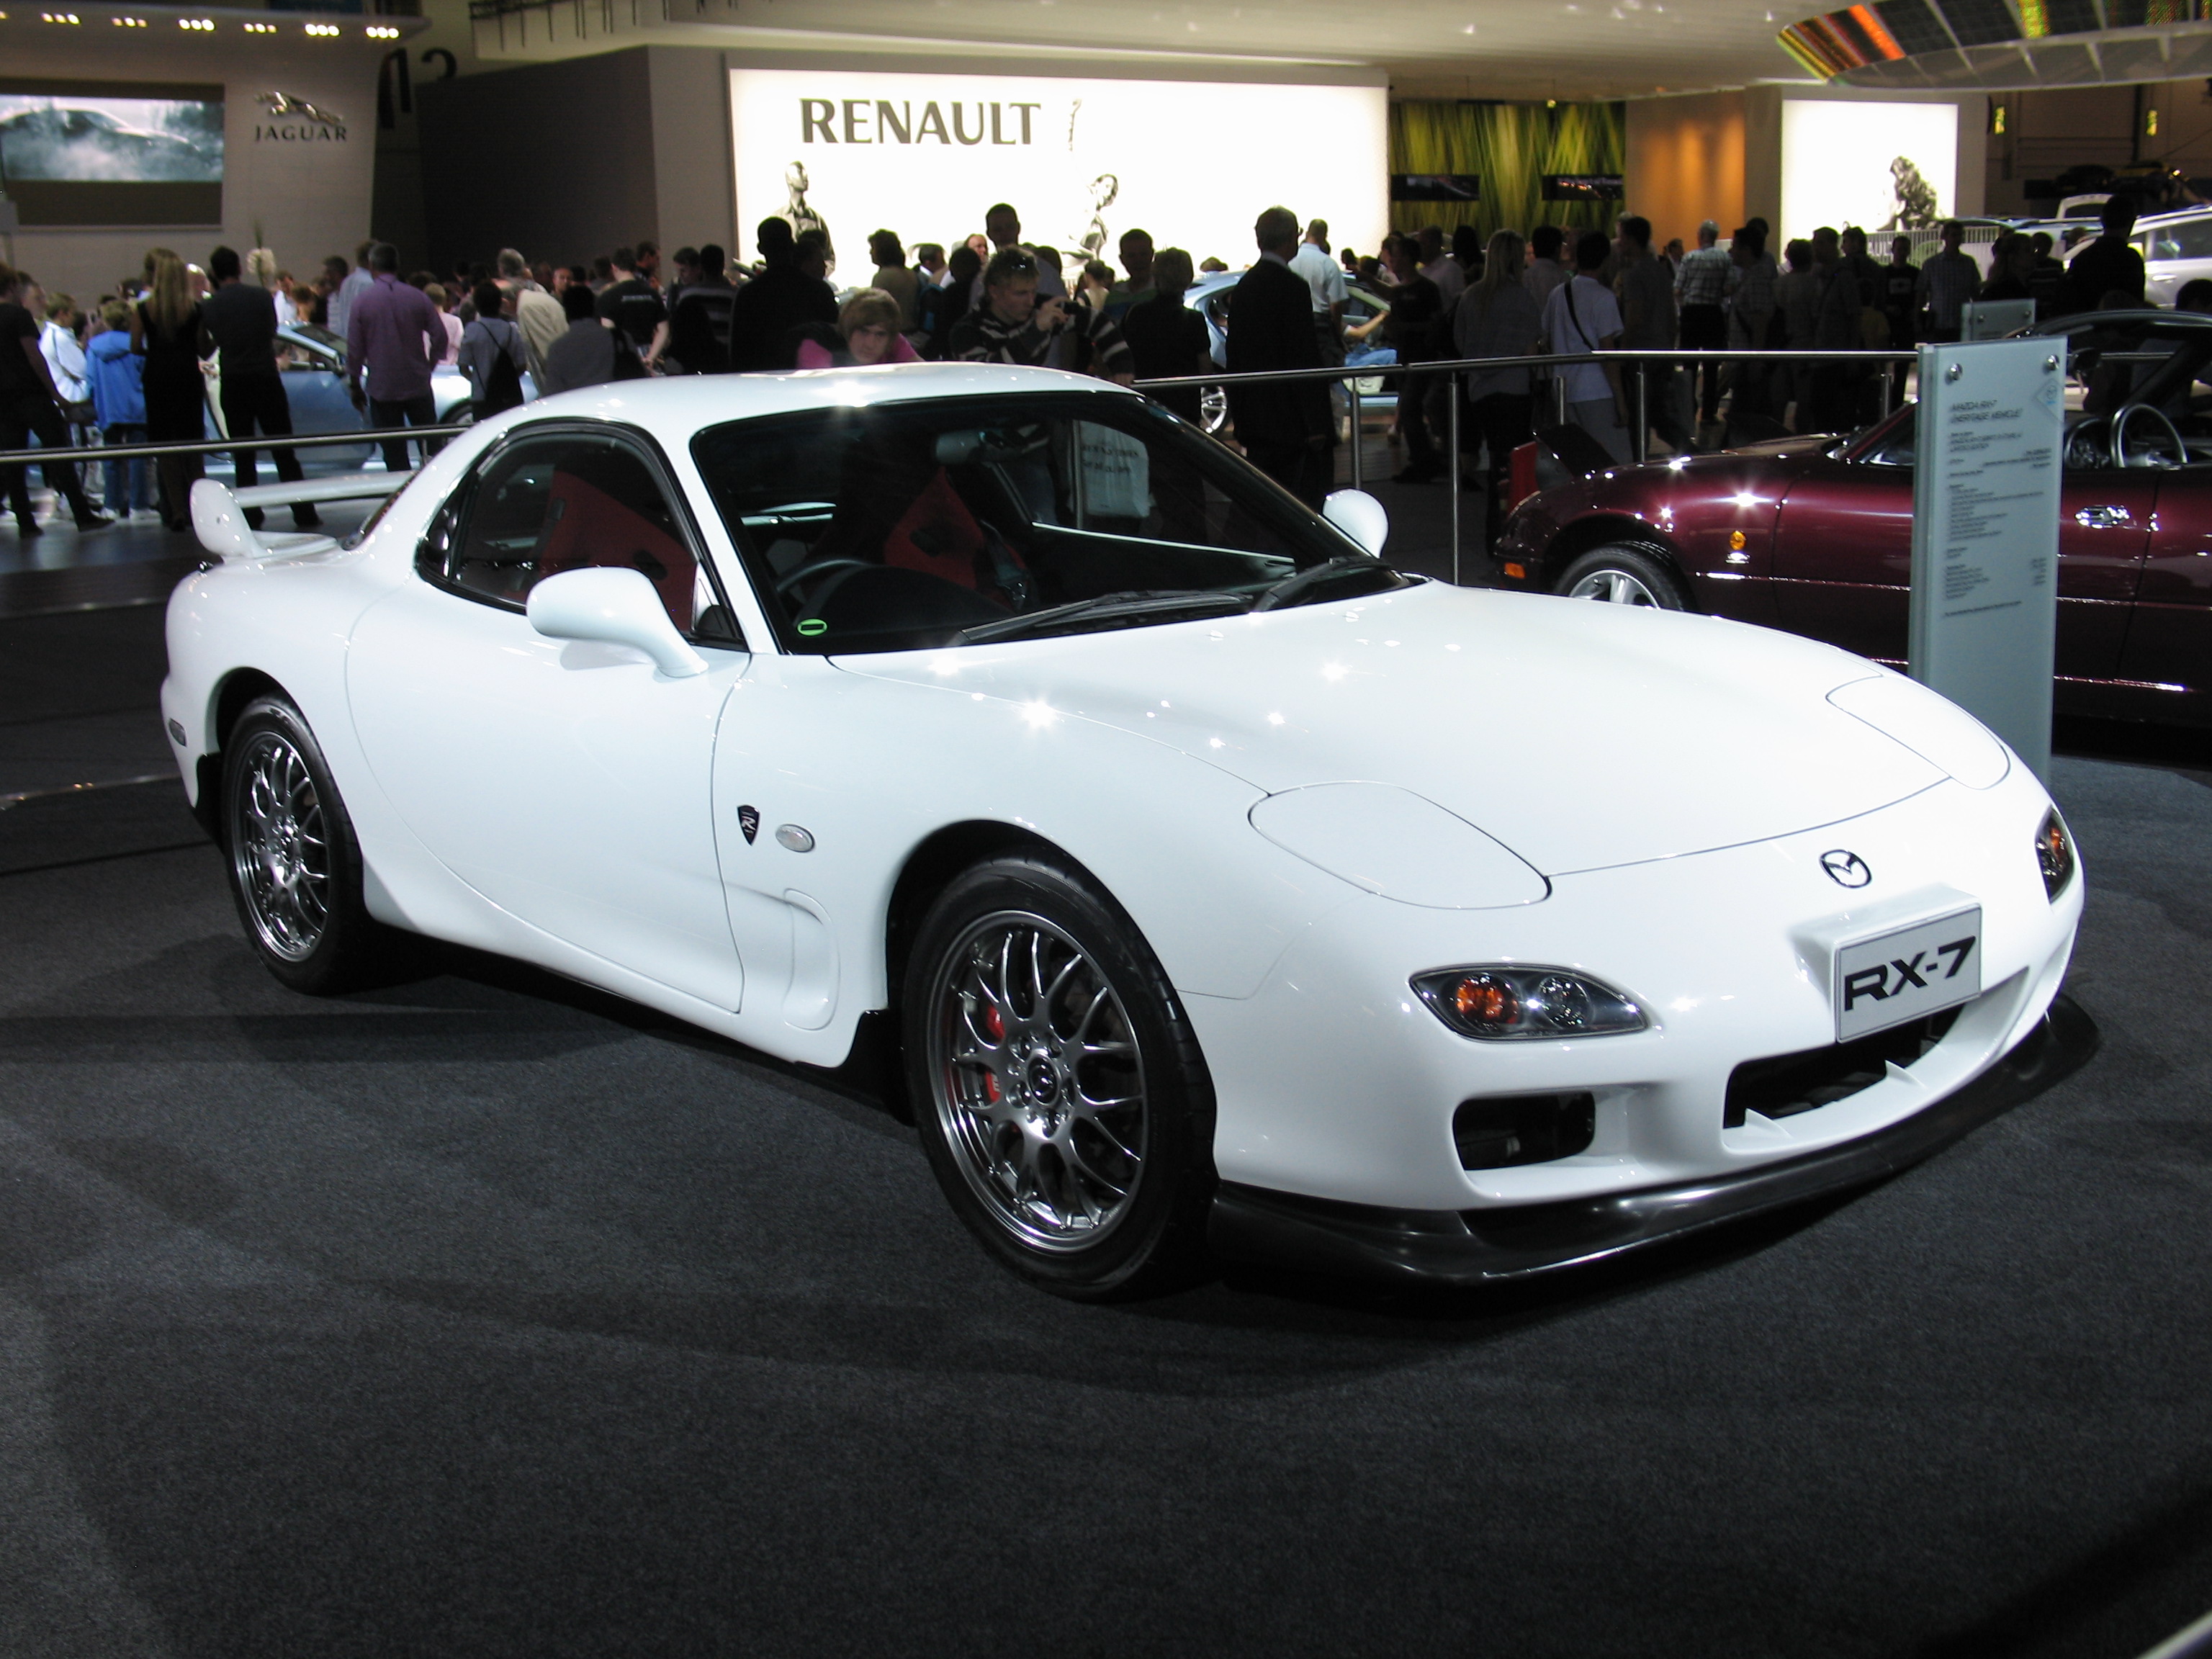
612 607
1359 516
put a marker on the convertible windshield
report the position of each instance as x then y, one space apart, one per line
904 526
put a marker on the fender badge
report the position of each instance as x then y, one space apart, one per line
1846 869
749 821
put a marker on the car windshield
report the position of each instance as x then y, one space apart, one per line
315 334
902 525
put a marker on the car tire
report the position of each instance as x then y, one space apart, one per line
1071 1127
1622 575
1213 410
294 866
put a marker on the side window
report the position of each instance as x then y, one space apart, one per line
570 501
2192 239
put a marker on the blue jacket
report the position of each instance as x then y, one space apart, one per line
118 380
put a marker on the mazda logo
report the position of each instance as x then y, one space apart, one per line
1846 869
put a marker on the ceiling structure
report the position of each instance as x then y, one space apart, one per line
1490 49
1948 45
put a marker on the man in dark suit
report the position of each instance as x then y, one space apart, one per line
1285 427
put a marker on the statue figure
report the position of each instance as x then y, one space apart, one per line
1917 208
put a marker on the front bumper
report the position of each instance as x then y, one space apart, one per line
1486 1246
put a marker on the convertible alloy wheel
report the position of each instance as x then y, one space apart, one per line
294 866
1059 1090
1621 576
279 850
1041 1090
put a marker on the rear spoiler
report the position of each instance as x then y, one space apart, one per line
219 513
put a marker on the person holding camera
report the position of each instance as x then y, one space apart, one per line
1013 325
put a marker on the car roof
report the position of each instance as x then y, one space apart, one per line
678 406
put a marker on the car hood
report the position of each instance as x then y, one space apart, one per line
1581 736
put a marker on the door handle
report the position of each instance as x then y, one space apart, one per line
2102 518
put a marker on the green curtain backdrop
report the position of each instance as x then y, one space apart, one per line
1511 146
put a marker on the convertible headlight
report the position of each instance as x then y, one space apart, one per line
2054 853
1502 1002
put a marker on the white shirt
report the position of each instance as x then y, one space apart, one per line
65 357
1323 276
1579 315
1445 273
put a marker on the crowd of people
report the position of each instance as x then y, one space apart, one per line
133 366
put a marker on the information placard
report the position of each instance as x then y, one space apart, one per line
1985 496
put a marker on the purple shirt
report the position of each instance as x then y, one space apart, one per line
394 332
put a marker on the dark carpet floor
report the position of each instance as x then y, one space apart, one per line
486 1315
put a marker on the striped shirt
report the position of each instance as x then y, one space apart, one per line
1948 281
1703 277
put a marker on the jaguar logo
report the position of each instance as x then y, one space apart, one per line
295 121
749 821
285 107
1846 869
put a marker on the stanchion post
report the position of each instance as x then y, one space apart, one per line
1639 441
1352 386
1451 476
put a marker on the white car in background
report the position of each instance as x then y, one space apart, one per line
2176 250
1223 889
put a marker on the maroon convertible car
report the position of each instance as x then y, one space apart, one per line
1815 535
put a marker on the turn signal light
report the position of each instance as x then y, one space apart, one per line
1494 1003
1519 572
2054 853
1735 541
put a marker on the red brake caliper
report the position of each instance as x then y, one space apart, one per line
995 1025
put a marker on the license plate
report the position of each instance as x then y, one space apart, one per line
1908 974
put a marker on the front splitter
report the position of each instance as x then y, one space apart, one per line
1478 1247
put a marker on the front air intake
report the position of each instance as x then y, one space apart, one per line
1505 1130
1786 1084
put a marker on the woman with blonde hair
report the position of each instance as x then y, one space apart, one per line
867 332
166 329
1497 317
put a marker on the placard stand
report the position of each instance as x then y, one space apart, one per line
1985 495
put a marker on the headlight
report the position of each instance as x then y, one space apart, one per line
1501 1002
2054 853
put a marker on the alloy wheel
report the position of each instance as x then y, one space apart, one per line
1039 1083
280 848
1615 587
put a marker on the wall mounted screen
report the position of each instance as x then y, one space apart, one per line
1083 161
112 153
1877 166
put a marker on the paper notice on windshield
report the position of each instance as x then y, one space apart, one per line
1989 440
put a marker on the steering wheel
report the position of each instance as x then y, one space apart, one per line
807 573
2120 436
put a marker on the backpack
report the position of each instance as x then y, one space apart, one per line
505 391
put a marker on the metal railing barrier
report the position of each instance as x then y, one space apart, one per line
1635 381
1350 376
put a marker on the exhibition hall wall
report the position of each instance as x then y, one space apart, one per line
1685 163
202 138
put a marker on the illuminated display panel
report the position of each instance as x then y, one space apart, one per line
1838 160
1082 160
112 153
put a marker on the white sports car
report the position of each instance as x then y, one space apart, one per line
1224 888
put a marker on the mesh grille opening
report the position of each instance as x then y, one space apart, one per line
1786 1084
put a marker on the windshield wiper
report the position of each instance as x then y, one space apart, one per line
1106 608
1343 566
